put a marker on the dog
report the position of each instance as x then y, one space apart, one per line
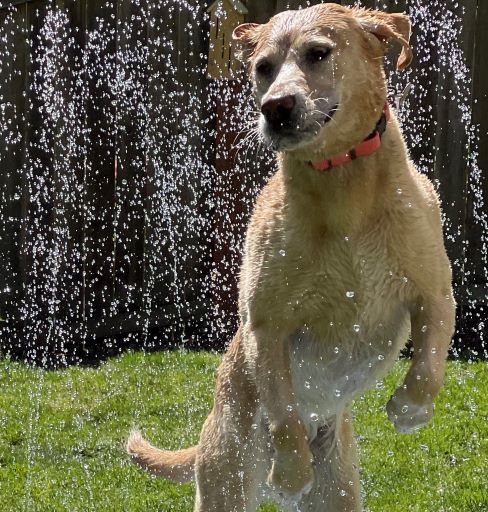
344 258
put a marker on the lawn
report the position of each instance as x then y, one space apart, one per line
62 435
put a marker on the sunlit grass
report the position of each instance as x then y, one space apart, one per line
62 436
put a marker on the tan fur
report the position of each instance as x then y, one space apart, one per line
177 466
338 267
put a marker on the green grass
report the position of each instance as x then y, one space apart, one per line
62 435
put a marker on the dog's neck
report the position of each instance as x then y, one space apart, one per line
345 197
367 147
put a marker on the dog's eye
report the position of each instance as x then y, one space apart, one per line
317 55
264 68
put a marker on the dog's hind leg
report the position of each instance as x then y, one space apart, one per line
233 456
230 467
336 487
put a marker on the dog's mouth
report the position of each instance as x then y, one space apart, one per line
330 114
291 136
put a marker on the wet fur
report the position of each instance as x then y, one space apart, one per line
280 426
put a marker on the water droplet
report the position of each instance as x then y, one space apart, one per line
350 295
404 409
356 328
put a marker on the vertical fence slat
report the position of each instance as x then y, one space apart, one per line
131 157
259 11
370 4
193 170
159 250
100 163
37 335
12 177
451 144
68 153
475 265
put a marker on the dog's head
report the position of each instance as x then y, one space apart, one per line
318 74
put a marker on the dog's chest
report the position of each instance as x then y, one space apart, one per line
345 283
350 323
328 372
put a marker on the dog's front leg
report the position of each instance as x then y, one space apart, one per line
411 406
291 472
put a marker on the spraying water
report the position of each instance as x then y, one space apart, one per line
120 209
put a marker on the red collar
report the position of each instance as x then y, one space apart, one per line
369 145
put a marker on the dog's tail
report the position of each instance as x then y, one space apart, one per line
177 466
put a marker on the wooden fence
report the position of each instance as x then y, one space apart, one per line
124 198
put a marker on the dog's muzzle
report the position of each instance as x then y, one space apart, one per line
279 111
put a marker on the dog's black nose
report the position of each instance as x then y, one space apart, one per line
278 110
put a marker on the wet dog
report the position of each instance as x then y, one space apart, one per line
344 257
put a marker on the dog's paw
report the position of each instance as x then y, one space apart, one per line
406 415
291 476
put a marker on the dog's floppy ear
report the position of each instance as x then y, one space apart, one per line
247 36
386 26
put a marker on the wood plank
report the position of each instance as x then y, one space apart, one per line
476 231
179 174
68 149
131 155
52 240
451 140
259 11
370 4
283 5
100 159
194 167
5 4
160 248
286 5
39 304
12 179
475 278
230 217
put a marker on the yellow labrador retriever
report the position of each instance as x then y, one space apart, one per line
344 257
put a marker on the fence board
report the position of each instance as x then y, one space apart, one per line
38 307
160 250
131 156
476 279
100 160
451 144
109 195
67 146
12 179
194 162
